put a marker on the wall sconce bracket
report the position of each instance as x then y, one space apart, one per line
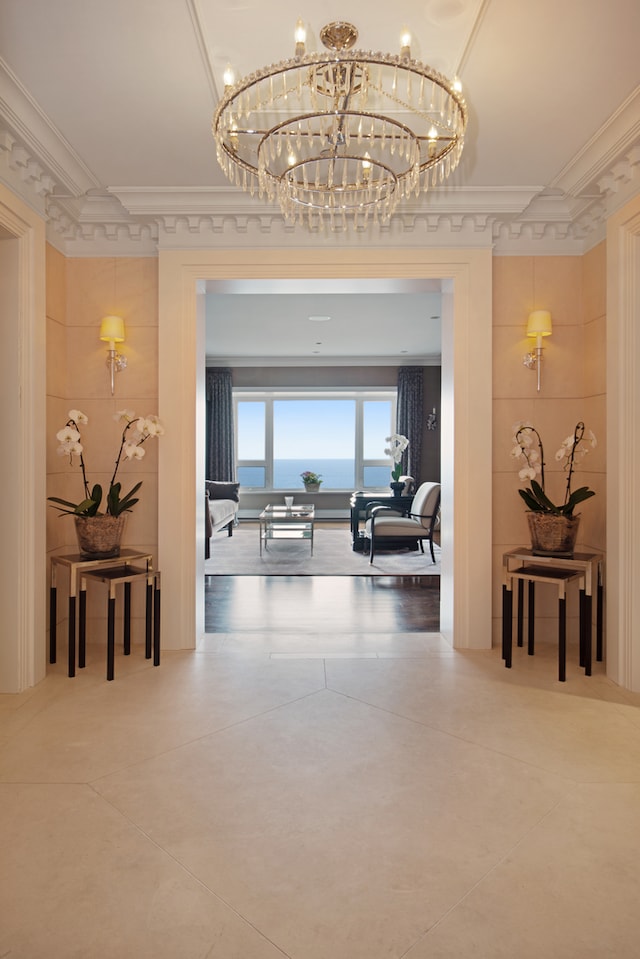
115 363
112 332
538 325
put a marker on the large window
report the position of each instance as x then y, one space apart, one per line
338 434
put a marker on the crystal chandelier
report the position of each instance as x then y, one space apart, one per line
343 135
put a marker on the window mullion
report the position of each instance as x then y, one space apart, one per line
359 443
268 442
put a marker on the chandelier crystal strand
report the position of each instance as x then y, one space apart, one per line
345 134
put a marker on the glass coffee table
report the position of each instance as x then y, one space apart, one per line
286 522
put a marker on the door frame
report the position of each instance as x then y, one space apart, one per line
466 277
23 563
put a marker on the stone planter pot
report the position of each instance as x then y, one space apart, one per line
553 535
99 537
311 487
397 487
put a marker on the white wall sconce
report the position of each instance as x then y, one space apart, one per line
538 325
112 332
432 420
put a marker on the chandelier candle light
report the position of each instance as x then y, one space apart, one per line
340 134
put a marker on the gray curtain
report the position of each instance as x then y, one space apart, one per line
220 453
410 418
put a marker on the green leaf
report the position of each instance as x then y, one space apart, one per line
115 505
530 501
578 496
88 507
545 503
127 502
133 490
63 502
96 497
113 500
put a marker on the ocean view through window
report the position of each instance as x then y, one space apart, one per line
337 434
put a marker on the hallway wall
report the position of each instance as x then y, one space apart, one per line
573 388
80 291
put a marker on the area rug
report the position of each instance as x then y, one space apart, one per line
239 555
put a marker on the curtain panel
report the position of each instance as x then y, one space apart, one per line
410 418
219 451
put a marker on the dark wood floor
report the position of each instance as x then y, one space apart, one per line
348 604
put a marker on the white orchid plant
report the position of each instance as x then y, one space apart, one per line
528 449
136 431
397 445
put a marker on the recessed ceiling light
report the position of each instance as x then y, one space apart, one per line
319 319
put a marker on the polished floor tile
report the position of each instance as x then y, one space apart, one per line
319 794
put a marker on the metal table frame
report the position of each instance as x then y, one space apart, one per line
117 576
282 522
76 563
587 568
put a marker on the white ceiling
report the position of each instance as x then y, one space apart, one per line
379 322
106 107
132 86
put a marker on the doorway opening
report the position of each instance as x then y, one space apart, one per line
267 333
466 415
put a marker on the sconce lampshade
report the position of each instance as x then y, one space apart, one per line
112 329
539 323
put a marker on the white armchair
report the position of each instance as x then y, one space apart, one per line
387 524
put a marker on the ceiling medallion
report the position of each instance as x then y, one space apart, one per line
341 136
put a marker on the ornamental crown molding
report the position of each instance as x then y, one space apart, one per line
85 219
25 121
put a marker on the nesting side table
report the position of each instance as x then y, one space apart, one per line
522 565
113 577
76 565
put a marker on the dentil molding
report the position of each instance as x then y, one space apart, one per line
85 220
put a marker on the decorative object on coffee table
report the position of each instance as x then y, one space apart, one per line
553 528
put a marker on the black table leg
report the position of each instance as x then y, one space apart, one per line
531 617
588 611
72 636
599 620
562 640
507 613
148 621
127 619
53 615
111 626
82 629
156 626
520 611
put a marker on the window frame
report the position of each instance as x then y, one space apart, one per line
359 395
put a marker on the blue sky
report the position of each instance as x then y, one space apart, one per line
323 429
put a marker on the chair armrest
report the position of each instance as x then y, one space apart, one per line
374 508
370 506
208 525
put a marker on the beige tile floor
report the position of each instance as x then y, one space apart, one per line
321 797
